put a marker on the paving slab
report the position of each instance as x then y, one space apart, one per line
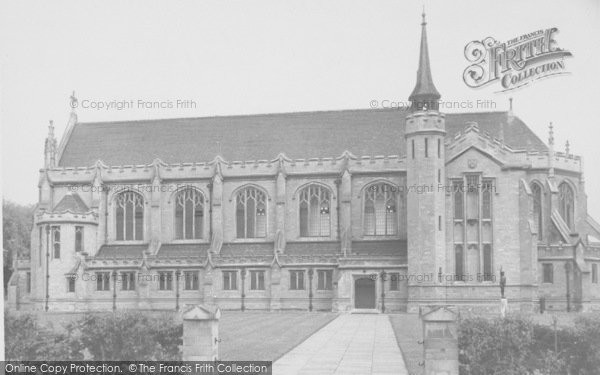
350 344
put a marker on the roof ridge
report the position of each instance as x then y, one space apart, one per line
365 110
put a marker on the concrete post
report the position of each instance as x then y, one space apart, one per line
201 333
440 340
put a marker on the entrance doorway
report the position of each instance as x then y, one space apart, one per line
364 293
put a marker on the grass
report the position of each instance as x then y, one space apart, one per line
409 331
266 336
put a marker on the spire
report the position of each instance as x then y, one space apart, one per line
424 96
551 134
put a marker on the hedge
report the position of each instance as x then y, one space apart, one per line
516 345
113 336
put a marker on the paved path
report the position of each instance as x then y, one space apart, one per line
351 344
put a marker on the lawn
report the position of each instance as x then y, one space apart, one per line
266 335
409 332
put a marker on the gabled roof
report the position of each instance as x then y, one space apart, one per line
300 135
71 202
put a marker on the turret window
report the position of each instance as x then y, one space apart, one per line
426 147
566 204
189 214
380 210
536 190
55 235
78 239
251 213
130 216
71 283
315 211
40 245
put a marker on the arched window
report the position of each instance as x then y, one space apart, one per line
189 214
380 211
536 190
130 216
251 213
566 203
315 207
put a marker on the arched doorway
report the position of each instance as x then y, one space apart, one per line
364 293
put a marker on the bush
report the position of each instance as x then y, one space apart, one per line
498 346
129 336
117 336
515 345
25 339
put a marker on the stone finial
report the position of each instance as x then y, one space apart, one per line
74 102
50 147
551 134
567 147
510 106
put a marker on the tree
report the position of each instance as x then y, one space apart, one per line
17 222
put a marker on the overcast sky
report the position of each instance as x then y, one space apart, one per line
275 56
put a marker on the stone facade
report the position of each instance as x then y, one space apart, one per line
435 209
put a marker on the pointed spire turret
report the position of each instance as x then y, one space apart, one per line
424 96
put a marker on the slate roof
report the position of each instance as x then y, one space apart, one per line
247 249
313 248
183 250
121 251
381 248
262 137
71 202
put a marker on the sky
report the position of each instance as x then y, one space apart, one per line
241 57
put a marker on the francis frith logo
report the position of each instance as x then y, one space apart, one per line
516 62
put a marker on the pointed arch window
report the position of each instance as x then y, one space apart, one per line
189 214
381 210
536 190
251 213
130 216
566 203
315 215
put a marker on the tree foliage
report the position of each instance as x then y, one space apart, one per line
515 345
99 336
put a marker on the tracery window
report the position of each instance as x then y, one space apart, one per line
473 227
130 216
381 210
251 213
536 190
566 203
189 214
315 215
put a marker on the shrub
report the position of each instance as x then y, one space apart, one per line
497 346
102 336
515 345
129 336
25 339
